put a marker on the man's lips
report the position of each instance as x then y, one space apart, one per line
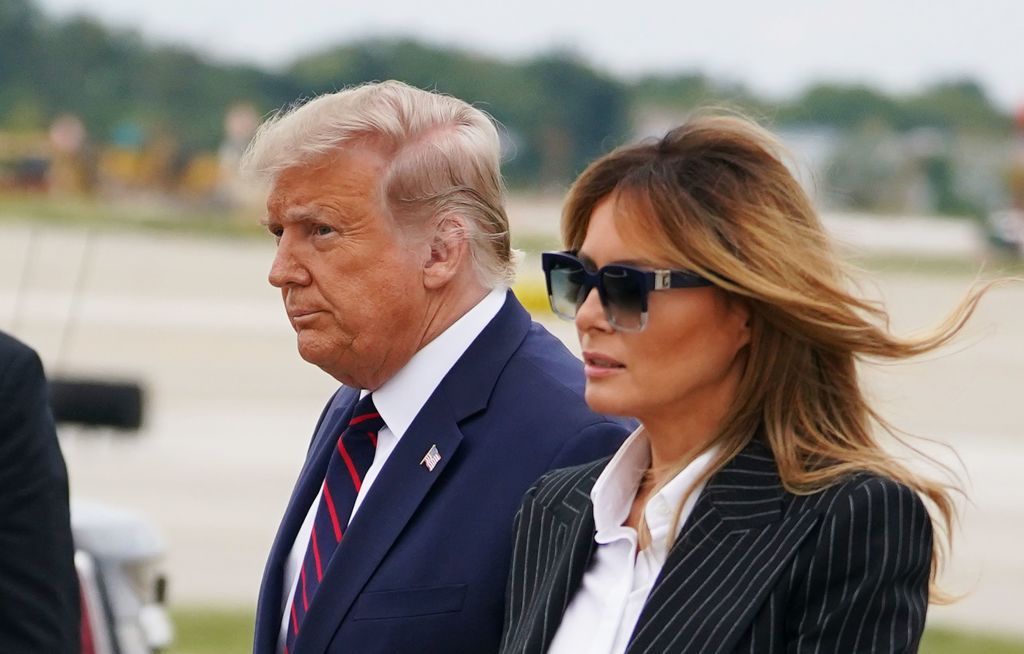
301 314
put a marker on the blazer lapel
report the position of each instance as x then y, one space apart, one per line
727 558
405 481
268 611
558 556
575 529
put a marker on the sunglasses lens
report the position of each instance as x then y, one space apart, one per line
625 297
566 279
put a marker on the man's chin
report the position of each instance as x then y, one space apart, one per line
311 351
325 359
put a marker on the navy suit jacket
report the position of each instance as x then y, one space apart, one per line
424 563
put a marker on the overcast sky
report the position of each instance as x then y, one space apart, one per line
775 47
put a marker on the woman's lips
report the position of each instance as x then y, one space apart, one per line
600 366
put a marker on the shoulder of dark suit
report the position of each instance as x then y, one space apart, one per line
752 472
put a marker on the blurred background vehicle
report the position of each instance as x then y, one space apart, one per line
118 554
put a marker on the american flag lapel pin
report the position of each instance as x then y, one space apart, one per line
431 459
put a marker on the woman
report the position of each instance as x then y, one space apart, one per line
753 510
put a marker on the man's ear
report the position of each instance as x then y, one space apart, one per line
449 249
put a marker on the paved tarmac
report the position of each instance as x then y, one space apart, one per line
230 405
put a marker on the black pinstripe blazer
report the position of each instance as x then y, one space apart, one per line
755 568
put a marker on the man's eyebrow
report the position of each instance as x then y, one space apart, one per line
296 214
302 212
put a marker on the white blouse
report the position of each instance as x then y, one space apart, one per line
602 614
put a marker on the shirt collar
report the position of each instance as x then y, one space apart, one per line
399 399
614 490
616 487
662 507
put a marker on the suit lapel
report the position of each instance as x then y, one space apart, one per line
404 481
268 611
574 518
560 568
727 558
398 491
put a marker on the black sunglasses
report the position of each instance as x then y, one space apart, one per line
623 289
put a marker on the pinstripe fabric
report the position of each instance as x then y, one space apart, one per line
755 569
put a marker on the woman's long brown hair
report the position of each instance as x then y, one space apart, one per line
714 196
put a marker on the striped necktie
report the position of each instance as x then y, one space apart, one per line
349 462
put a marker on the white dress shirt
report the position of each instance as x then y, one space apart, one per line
398 401
602 614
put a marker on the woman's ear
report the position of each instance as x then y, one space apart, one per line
739 311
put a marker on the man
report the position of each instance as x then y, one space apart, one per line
393 260
39 609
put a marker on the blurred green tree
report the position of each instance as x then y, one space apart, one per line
959 105
556 111
846 107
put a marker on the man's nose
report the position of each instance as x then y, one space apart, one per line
287 268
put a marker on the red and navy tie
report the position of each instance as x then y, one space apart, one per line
349 462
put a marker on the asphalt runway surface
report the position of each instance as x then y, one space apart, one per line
230 406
